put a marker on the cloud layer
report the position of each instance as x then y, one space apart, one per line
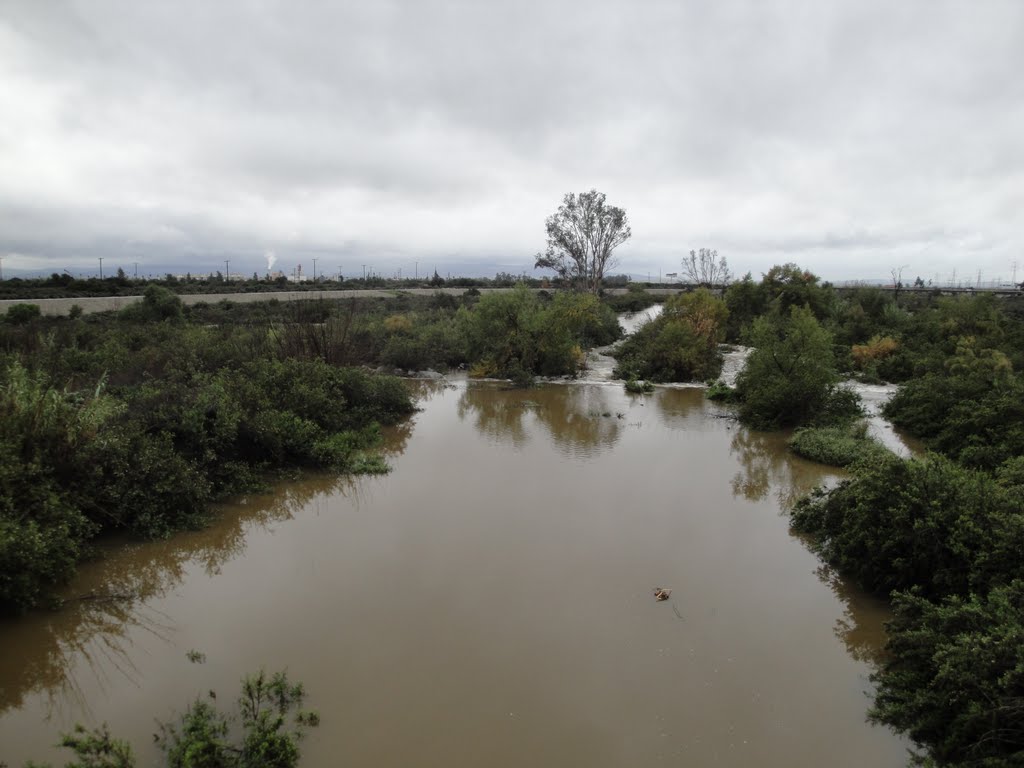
850 137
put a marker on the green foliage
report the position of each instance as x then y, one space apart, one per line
42 530
635 387
745 301
790 378
867 312
635 299
514 335
20 314
681 344
928 525
269 715
193 417
271 718
787 286
97 749
582 235
837 446
954 676
721 392
158 304
973 410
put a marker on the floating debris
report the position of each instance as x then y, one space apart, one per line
662 593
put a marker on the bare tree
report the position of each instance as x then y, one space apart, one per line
897 280
582 235
704 267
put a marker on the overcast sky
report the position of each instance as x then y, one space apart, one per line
848 137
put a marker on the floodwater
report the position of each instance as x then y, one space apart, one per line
490 601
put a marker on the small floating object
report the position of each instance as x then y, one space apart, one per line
662 593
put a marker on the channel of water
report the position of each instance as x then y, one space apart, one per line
490 601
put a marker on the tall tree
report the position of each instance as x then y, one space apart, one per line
706 269
582 235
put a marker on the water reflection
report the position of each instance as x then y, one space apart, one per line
767 465
580 420
48 652
862 625
682 408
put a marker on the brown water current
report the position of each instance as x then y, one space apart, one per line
490 601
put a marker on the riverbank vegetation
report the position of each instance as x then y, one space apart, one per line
681 344
837 446
138 423
138 420
940 536
264 730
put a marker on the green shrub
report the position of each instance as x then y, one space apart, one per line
790 378
513 335
633 386
635 299
21 314
721 392
929 525
953 676
264 731
681 344
838 446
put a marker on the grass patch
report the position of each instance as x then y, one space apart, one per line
838 446
721 392
635 387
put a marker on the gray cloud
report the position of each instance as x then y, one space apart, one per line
850 136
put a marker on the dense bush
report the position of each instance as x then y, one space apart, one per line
635 299
973 410
838 446
151 453
681 344
790 378
929 525
519 335
953 678
19 314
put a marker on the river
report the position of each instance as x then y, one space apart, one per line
490 601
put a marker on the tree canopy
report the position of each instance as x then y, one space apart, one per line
582 236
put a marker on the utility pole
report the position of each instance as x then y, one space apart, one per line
364 271
339 273
418 269
1014 272
101 266
227 270
136 269
314 268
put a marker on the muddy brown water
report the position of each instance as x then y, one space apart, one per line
489 602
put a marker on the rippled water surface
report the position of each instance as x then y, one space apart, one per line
489 602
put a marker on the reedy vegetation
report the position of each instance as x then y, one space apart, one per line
264 731
138 420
